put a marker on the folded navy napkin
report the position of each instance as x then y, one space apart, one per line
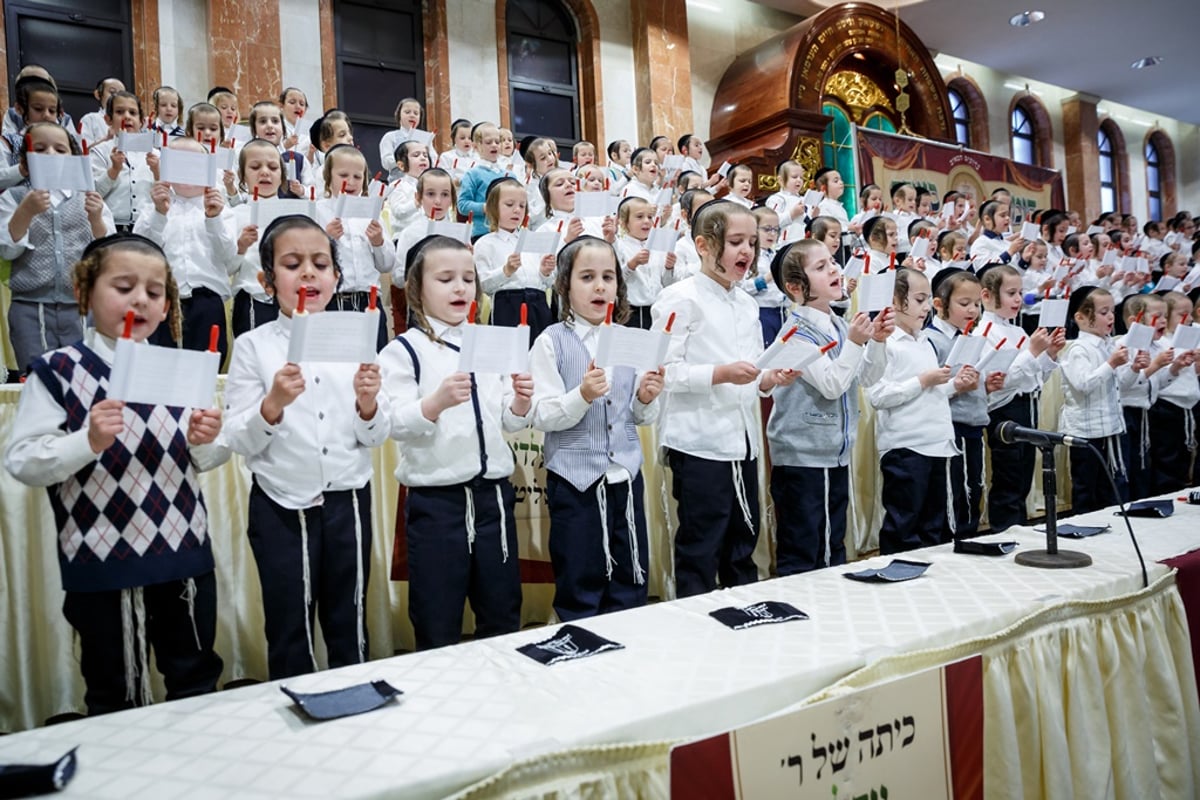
765 613
346 702
898 570
971 547
1080 531
30 780
569 643
1150 508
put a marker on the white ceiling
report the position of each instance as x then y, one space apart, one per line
1082 45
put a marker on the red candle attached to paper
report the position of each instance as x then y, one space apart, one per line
790 333
828 347
128 325
83 144
987 330
312 193
1153 321
670 322
471 218
164 133
300 300
214 334
343 187
374 299
382 186
892 261
560 222
472 311
256 194
1020 342
525 222
213 145
524 314
1138 318
608 312
377 174
970 325
29 143
1048 288
1001 343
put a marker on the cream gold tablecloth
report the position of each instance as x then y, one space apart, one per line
1088 681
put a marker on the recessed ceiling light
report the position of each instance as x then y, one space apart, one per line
1026 18
1148 61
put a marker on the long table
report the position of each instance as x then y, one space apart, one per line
1088 683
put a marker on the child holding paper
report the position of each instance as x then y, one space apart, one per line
412 159
914 430
363 251
473 190
512 279
327 132
709 423
594 485
1137 399
772 302
814 421
408 117
541 156
123 179
559 191
645 273
95 127
37 100
788 202
956 301
306 432
44 233
435 196
991 246
195 228
461 157
643 171
460 528
1012 464
294 103
509 158
260 169
829 182
137 573
167 104
1094 374
266 122
1172 416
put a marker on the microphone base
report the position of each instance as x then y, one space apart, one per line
1044 559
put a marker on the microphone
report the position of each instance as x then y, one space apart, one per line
1010 432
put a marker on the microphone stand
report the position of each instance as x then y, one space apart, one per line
1052 557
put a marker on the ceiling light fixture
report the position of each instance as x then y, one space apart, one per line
1026 18
1148 61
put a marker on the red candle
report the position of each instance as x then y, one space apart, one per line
670 322
213 335
374 298
790 333
128 325
608 314
471 313
300 300
967 330
256 194
525 314
83 144
343 187
828 347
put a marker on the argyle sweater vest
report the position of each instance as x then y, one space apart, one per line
134 516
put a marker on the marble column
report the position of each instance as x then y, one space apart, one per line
147 52
662 66
244 51
1080 127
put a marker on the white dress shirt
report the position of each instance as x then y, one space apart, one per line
1027 374
493 250
1183 391
456 163
909 416
393 139
402 205
202 251
40 453
125 195
93 127
713 326
362 262
782 204
10 249
1092 389
556 409
249 263
445 452
417 230
321 443
643 284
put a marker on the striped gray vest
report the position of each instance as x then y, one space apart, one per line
607 433
44 274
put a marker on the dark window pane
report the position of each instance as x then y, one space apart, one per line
1155 208
74 54
378 34
116 10
543 114
372 91
540 60
540 17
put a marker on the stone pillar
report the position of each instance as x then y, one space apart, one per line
244 51
662 69
1080 128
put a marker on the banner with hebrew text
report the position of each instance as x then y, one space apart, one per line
887 158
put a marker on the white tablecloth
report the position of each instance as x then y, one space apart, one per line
473 710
